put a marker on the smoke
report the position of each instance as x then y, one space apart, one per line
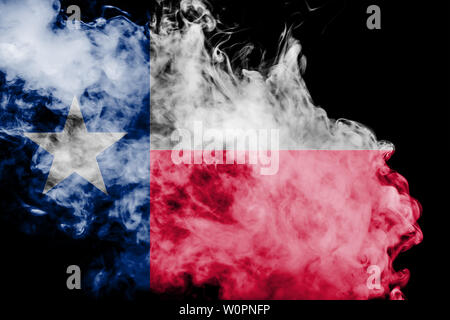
44 63
190 81
334 211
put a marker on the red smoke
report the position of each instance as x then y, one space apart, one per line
311 231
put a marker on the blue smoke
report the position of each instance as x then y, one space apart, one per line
44 63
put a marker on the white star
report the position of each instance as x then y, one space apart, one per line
75 149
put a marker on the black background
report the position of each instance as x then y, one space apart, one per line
393 80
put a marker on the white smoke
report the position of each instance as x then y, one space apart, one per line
105 65
191 82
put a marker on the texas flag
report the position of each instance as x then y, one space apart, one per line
195 172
